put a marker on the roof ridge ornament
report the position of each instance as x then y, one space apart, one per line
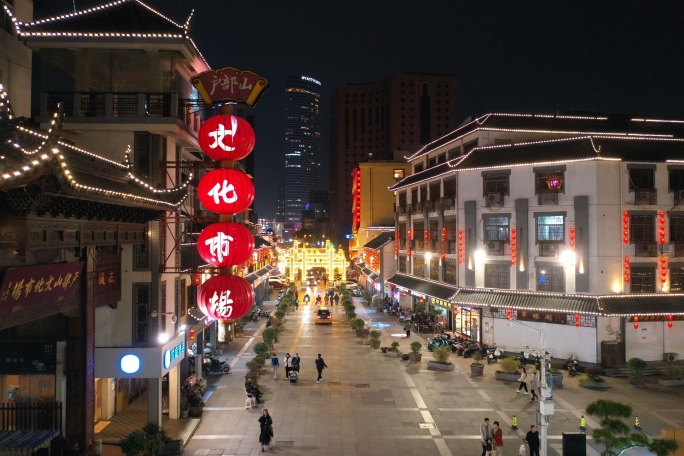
186 26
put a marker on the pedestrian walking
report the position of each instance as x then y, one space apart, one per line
534 384
288 365
485 435
532 439
266 425
498 438
295 362
407 328
549 383
523 380
276 364
337 298
320 365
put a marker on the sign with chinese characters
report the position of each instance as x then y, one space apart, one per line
225 297
542 316
173 354
226 137
39 285
230 84
225 244
440 302
27 357
105 280
226 191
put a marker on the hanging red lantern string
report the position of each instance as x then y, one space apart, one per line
225 244
225 297
226 191
226 137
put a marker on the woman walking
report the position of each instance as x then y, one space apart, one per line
266 424
534 384
497 433
523 381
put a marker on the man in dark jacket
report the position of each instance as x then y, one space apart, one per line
253 390
320 365
533 440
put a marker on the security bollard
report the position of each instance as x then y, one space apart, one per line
514 422
637 423
583 424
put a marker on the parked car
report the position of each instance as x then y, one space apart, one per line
276 284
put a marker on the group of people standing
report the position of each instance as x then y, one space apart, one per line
491 438
291 365
534 384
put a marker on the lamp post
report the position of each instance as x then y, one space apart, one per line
546 409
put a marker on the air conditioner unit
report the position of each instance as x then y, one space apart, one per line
494 247
667 249
495 199
548 250
670 356
645 196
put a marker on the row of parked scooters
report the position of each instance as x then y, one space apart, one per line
465 347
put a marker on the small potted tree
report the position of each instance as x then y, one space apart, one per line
638 367
393 351
592 379
674 376
366 296
375 338
556 375
269 336
477 368
358 324
416 356
184 407
508 371
441 359
148 440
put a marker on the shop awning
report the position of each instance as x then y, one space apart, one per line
367 271
635 304
381 240
257 277
374 277
25 442
196 314
424 286
478 297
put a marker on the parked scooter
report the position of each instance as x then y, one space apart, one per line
493 354
437 342
213 366
572 366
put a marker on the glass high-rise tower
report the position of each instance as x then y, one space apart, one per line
302 144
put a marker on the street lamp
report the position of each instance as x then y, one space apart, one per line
546 409
155 314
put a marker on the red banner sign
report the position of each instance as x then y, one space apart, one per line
230 84
39 285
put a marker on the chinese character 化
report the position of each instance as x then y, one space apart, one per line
221 191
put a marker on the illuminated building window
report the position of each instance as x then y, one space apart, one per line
550 278
497 276
399 174
643 279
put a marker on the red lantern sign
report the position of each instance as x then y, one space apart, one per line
226 137
554 182
225 297
226 191
225 244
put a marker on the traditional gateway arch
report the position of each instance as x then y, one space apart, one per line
300 259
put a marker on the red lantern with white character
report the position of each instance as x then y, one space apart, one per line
226 137
225 244
226 191
225 297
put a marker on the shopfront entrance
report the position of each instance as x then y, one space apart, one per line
467 322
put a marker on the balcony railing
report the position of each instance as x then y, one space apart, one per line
108 105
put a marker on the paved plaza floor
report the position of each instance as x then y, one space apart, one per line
372 404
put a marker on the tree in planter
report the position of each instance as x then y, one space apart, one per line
261 349
394 347
184 406
638 367
358 324
441 355
614 433
509 365
280 315
366 296
149 439
351 315
375 338
420 309
269 335
415 355
253 366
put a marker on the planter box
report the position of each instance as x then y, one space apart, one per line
375 344
595 385
415 358
195 412
434 365
637 380
392 354
476 371
174 447
557 380
506 377
663 382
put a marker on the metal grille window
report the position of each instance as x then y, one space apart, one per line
414 196
402 199
641 178
434 191
419 236
402 236
419 266
642 229
677 279
423 193
402 263
550 278
677 230
141 295
451 235
643 279
497 276
676 179
434 233
450 187
434 270
496 228
496 183
450 268
551 228
141 257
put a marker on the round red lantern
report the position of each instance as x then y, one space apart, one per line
225 244
226 191
225 297
226 137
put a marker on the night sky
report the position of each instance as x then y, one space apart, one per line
515 56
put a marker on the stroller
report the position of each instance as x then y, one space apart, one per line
294 376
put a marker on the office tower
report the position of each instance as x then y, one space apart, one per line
371 121
302 144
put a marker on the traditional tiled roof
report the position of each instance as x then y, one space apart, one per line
430 173
424 286
381 240
58 168
571 124
127 19
519 300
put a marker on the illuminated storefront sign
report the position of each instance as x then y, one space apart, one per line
39 285
230 84
315 81
171 355
130 364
